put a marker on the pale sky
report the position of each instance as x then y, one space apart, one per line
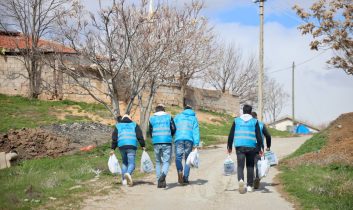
322 94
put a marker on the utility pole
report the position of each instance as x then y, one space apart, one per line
261 61
293 66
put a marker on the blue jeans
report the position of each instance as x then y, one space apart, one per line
182 148
162 154
128 157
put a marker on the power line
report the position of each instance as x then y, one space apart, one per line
299 64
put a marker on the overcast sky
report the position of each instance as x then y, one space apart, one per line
322 94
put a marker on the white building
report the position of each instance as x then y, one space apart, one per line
286 124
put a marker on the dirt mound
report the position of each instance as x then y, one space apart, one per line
83 133
339 148
54 140
34 143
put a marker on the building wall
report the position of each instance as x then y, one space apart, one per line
283 126
10 80
61 86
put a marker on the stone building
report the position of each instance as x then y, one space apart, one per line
58 86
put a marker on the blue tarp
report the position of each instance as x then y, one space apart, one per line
302 129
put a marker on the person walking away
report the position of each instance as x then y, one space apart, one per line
162 130
246 137
187 138
264 134
125 136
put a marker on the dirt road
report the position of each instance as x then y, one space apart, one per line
208 188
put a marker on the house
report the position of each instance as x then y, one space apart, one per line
287 124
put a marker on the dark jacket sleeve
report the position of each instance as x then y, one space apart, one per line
139 136
172 126
268 136
114 138
259 144
231 137
150 129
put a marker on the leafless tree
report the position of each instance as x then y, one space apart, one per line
35 19
232 72
195 45
103 41
275 99
331 26
221 75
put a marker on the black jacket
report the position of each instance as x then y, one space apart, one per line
267 136
259 144
139 136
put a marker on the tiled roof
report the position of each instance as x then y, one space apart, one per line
13 42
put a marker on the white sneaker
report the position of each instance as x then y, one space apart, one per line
128 178
241 187
124 182
249 189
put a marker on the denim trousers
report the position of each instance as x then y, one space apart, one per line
162 153
128 157
183 149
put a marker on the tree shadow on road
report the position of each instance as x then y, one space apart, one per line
141 182
195 182
263 187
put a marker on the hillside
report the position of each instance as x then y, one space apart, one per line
319 175
338 148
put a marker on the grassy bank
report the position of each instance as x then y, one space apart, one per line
318 187
18 112
36 182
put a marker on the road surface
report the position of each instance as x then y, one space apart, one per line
208 189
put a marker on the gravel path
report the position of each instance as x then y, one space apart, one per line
208 188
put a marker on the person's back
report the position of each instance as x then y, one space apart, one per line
185 123
245 136
125 136
187 137
161 129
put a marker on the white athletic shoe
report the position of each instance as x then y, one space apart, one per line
249 189
128 178
241 187
124 182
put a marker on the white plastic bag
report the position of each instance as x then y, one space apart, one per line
263 167
271 157
193 159
146 163
229 166
113 165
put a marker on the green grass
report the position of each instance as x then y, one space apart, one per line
19 112
53 177
318 187
215 133
314 144
278 133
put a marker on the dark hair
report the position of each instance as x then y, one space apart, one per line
160 108
247 109
187 107
254 114
118 118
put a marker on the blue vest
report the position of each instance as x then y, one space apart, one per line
161 132
126 134
244 134
184 128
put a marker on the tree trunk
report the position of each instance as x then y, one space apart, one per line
34 80
145 112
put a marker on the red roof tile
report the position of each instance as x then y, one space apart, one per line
13 42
